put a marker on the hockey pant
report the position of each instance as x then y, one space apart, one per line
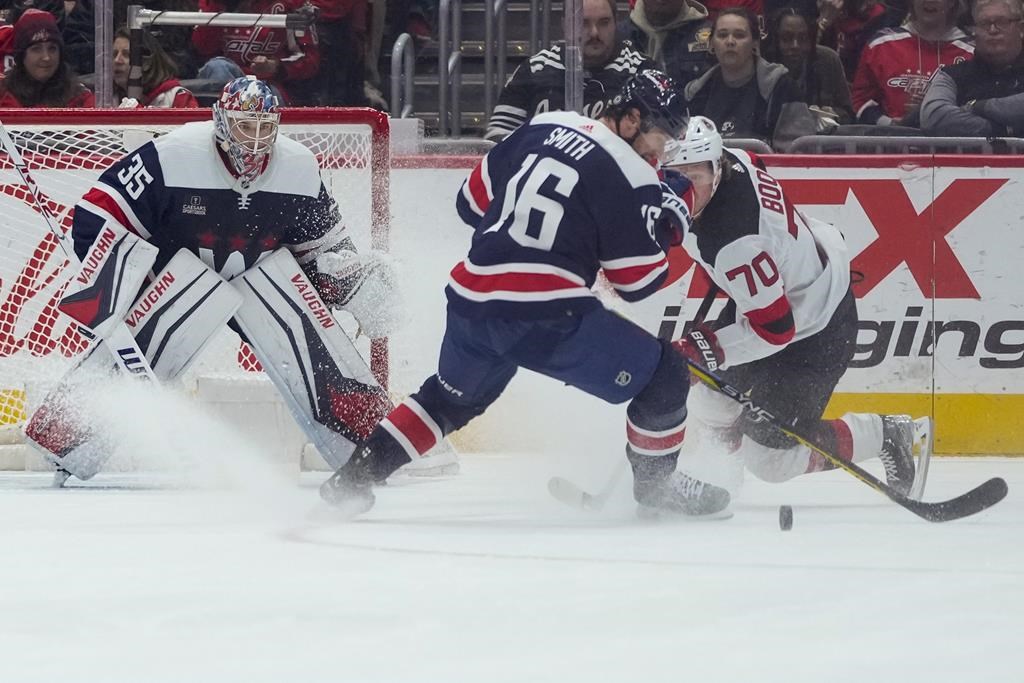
796 384
172 321
597 352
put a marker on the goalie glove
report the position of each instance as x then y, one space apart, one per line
701 347
363 284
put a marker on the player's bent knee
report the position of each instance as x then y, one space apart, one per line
662 402
765 434
451 412
775 465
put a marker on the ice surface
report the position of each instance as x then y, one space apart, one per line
481 577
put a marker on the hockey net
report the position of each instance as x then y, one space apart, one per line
66 150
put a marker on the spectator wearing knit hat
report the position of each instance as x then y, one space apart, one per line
40 76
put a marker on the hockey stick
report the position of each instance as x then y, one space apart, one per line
576 496
120 340
979 498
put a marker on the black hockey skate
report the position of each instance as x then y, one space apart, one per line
897 454
679 494
350 489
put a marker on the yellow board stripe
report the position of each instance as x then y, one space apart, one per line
965 424
12 406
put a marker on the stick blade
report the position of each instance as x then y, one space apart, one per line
568 493
976 500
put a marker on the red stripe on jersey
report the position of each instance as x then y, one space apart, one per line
511 281
790 221
646 442
633 274
478 188
104 201
413 428
761 318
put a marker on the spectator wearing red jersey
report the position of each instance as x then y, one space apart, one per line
40 77
846 25
278 56
756 8
160 88
898 63
6 47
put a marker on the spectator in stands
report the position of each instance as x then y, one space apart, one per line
746 96
77 26
983 96
675 34
898 63
160 88
341 26
538 84
846 25
792 42
6 46
40 77
175 40
281 57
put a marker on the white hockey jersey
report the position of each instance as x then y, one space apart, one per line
785 273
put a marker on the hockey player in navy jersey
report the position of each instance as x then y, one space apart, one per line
237 225
789 329
559 200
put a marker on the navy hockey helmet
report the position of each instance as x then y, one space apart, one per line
658 99
246 119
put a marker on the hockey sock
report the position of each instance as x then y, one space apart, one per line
854 437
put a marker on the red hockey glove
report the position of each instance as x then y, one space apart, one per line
701 347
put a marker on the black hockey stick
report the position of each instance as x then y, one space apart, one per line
977 499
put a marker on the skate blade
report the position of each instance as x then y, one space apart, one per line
650 514
923 433
334 513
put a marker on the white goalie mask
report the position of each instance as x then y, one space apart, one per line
246 120
700 142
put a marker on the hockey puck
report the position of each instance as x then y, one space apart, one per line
785 517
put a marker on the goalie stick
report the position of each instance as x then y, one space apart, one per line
981 497
120 340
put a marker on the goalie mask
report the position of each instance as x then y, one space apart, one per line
245 122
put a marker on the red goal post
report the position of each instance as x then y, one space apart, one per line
67 149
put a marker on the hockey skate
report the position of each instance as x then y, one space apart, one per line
350 489
679 494
897 453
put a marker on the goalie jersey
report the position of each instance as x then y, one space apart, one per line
553 204
785 274
177 193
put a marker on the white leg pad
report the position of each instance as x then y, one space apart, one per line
326 384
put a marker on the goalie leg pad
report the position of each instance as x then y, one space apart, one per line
173 321
111 275
325 383
179 314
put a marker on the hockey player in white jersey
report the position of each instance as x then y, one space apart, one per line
788 331
237 225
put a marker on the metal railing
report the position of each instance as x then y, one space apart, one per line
913 144
449 68
403 71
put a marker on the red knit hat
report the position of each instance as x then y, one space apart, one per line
35 26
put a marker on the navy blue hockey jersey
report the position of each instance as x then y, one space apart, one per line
175 192
558 200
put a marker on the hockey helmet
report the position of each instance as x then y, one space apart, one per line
658 99
245 121
700 142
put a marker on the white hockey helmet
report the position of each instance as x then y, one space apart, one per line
700 141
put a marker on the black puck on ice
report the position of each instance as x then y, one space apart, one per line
785 517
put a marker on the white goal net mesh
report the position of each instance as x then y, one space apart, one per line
38 344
